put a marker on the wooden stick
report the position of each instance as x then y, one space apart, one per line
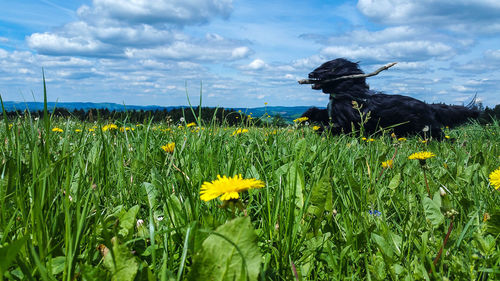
353 76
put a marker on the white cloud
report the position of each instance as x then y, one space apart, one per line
257 64
180 12
459 16
54 44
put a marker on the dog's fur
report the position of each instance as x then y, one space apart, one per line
405 115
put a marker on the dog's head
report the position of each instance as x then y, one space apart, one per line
334 69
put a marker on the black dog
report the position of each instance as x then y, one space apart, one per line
351 98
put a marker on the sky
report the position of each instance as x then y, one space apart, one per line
239 53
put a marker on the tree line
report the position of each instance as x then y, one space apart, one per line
229 117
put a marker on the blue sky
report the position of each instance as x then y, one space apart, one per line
244 53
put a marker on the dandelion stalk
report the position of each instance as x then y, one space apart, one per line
450 228
426 183
421 157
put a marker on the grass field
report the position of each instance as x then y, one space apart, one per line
101 201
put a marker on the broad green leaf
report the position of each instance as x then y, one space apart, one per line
9 252
295 180
152 193
383 245
58 264
395 181
220 260
432 211
321 193
127 221
124 266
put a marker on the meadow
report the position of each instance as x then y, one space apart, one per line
121 201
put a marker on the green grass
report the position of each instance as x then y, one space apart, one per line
69 198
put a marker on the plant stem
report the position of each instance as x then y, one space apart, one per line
450 228
426 183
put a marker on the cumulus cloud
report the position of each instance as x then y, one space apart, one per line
459 16
180 12
135 29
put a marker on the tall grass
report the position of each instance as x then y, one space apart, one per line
329 210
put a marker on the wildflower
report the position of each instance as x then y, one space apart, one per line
57 130
191 124
387 164
423 141
363 138
78 130
486 217
375 213
402 139
239 131
447 137
91 129
315 128
227 187
495 178
370 140
169 147
300 119
109 127
265 103
421 155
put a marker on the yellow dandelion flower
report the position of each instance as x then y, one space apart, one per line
78 130
227 188
169 147
387 164
109 127
300 119
495 178
57 130
363 138
91 129
447 137
421 155
402 139
265 103
315 128
191 124
239 131
370 139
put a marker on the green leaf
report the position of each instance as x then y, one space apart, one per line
124 266
295 180
383 245
220 260
395 181
58 264
9 252
432 210
152 193
127 221
321 193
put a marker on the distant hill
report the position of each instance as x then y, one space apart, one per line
286 112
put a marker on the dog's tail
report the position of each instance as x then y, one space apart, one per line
454 115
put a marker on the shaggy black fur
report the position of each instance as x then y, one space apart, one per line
404 114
